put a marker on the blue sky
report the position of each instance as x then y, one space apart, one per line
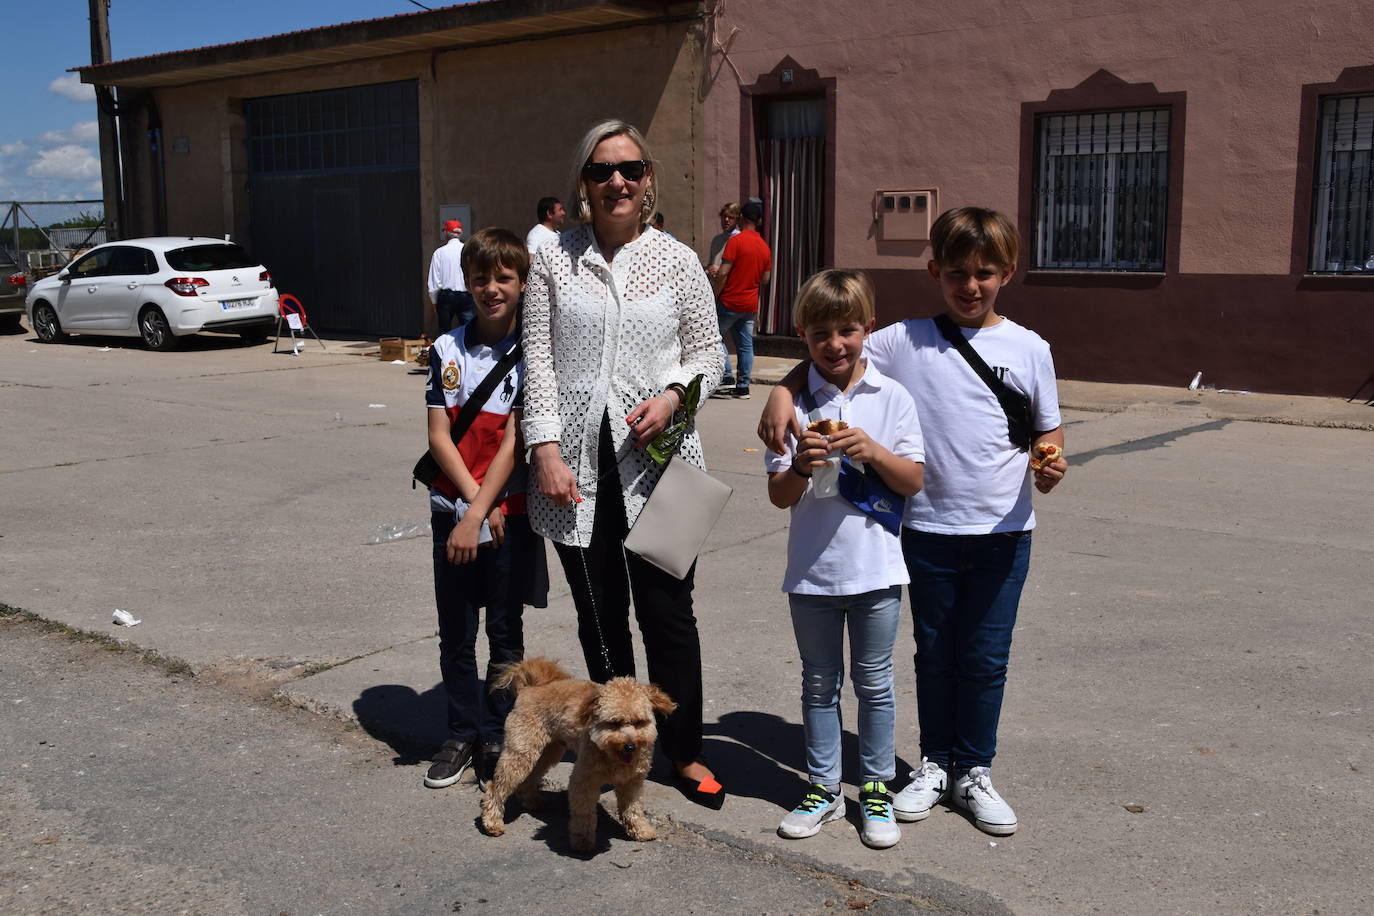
48 147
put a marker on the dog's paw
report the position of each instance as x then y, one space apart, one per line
493 827
582 842
641 831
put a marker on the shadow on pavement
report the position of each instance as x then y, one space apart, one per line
413 724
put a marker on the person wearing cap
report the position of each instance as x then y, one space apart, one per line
745 265
448 291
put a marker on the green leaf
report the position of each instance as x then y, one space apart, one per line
666 443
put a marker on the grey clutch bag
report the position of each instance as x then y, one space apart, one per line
679 515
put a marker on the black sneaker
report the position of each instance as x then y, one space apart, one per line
742 392
486 764
453 758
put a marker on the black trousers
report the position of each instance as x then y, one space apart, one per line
604 577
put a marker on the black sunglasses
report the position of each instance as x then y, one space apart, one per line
601 172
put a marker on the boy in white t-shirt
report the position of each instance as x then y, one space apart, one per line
843 565
967 534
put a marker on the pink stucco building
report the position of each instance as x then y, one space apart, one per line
1193 181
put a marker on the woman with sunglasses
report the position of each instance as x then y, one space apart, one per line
618 320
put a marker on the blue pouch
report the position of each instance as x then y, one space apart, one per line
867 492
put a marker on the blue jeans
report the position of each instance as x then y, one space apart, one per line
819 623
741 325
965 589
453 307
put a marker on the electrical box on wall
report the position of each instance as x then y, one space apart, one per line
904 216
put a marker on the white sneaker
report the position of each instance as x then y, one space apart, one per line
879 830
819 807
928 785
974 793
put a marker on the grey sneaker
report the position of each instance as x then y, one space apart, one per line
879 830
819 807
928 785
450 763
974 793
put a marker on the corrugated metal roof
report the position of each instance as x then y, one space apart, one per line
481 22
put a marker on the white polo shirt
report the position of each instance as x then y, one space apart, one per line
832 547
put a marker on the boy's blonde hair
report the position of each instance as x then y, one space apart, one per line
493 248
581 209
834 295
966 232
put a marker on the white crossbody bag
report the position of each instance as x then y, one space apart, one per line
680 513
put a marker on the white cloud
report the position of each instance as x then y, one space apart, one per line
17 148
69 86
69 163
80 132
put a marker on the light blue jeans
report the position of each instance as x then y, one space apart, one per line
819 623
741 325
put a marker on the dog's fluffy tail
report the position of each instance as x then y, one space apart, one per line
529 673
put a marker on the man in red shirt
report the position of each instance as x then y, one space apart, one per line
745 265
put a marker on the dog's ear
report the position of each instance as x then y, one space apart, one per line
660 700
586 709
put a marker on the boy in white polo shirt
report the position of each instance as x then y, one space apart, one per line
844 566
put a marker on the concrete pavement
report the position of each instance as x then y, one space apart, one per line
1190 641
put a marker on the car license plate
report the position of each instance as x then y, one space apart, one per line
230 305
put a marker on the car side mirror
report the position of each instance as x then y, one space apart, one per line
64 276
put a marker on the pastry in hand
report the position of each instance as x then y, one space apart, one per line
1044 453
827 426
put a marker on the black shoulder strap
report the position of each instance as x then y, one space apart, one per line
1011 400
959 342
483 391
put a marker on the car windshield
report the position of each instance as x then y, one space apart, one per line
209 257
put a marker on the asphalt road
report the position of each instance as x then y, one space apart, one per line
1187 726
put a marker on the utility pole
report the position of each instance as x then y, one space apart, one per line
107 108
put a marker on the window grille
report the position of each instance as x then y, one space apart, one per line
360 127
1343 192
1101 190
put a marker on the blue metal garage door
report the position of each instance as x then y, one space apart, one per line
334 183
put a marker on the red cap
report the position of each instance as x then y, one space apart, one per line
453 225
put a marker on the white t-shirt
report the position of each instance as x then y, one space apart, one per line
832 547
538 236
446 269
976 481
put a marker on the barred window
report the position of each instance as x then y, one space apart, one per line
1101 190
1342 208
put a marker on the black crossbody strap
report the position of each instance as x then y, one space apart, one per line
1010 400
483 391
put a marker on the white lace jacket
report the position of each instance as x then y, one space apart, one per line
601 339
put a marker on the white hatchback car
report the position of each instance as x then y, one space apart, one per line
158 289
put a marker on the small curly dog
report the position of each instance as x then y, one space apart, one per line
611 728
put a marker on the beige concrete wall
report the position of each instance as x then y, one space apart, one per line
497 126
929 95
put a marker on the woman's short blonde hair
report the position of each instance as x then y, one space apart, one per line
581 210
730 209
834 295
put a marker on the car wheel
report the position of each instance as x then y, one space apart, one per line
46 325
154 329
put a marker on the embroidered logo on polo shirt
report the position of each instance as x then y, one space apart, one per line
451 376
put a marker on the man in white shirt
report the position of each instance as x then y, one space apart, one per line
550 213
448 291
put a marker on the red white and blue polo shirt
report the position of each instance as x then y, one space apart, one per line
458 362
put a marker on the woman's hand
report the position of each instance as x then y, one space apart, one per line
651 417
552 475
